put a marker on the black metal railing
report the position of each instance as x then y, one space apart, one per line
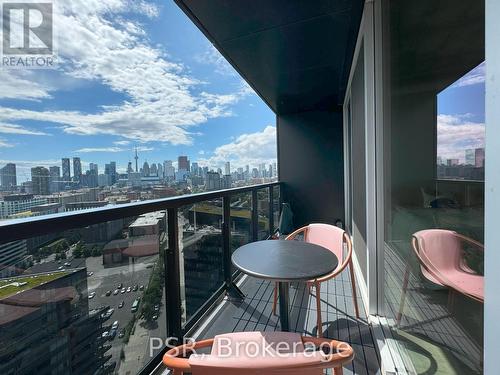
176 325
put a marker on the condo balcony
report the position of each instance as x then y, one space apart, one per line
380 118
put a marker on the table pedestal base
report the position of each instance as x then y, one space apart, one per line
283 305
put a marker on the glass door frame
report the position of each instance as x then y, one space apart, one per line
370 288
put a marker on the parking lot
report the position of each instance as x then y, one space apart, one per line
103 280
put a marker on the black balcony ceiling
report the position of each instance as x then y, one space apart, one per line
295 53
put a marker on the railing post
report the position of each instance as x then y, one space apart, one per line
173 281
226 240
271 210
255 216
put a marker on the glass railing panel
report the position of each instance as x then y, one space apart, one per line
241 221
200 249
86 300
263 213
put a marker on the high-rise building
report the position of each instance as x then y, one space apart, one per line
479 155
195 169
213 181
66 172
145 169
77 169
8 178
168 170
227 168
153 170
470 157
94 167
40 178
183 163
129 167
55 179
11 254
452 162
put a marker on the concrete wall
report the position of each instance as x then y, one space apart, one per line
310 154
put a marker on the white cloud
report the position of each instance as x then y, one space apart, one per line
251 149
201 152
4 144
111 149
21 84
121 143
213 57
99 149
456 133
474 77
18 129
95 43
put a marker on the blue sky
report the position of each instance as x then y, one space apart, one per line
461 115
131 74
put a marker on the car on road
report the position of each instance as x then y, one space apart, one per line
116 292
119 286
121 333
123 290
135 305
105 335
135 288
129 289
108 293
141 287
157 307
108 313
90 273
60 267
121 304
155 316
91 295
67 264
115 324
112 334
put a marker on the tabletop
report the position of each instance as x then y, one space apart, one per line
282 260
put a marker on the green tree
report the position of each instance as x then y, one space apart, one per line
77 252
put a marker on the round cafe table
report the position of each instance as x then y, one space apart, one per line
284 261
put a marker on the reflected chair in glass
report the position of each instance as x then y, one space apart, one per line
440 254
253 353
336 240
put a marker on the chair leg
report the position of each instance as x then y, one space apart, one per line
275 299
319 332
354 293
403 294
338 371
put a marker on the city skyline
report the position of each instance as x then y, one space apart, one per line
188 100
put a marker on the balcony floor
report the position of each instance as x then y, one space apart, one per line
339 322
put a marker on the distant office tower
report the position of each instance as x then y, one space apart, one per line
227 168
479 154
77 169
213 181
470 157
275 170
168 170
195 169
226 182
160 170
40 178
94 167
8 178
439 160
129 167
247 172
145 169
114 175
103 180
110 170
452 162
55 179
183 163
153 170
66 172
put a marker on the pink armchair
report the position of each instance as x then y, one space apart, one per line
337 241
254 353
